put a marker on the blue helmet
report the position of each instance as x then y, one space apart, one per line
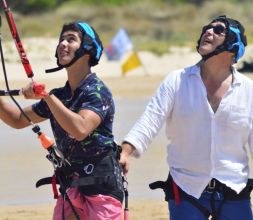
91 44
235 40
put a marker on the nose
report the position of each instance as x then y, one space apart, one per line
209 31
63 43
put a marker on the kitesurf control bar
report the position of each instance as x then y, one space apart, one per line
14 92
19 45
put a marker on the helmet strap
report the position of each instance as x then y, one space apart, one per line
54 69
79 53
217 51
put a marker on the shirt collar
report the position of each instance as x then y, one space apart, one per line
236 77
86 80
83 82
195 70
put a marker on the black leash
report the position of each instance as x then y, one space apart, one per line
125 188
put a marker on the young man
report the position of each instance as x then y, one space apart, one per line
208 111
81 115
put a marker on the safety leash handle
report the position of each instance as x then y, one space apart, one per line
46 141
55 155
50 146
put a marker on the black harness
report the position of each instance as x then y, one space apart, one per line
172 191
97 175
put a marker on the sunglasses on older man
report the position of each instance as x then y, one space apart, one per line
218 29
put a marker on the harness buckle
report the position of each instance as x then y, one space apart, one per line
211 186
88 169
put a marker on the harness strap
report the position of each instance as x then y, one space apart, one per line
175 189
63 207
54 181
172 190
87 181
102 175
196 204
216 212
158 184
65 196
49 180
175 192
83 181
45 181
55 191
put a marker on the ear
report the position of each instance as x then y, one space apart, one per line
86 57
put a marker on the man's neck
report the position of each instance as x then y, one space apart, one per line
216 70
76 75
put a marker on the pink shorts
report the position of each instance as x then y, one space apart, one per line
98 207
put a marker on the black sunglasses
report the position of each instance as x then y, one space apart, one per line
218 29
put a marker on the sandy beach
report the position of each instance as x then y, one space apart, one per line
136 87
138 210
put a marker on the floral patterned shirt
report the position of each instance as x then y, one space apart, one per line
91 94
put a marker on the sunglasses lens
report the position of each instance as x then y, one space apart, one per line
205 28
218 29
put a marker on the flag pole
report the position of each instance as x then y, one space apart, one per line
143 66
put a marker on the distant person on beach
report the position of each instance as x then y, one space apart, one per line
208 112
81 114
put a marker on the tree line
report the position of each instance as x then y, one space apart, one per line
34 6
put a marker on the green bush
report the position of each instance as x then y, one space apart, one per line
103 2
152 24
32 6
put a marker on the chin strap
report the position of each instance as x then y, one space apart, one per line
79 53
54 69
218 50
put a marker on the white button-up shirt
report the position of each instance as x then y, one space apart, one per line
203 144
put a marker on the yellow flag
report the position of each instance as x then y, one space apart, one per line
131 63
